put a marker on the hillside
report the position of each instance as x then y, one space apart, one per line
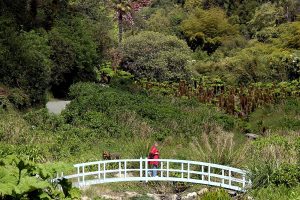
195 76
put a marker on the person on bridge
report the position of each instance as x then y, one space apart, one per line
154 154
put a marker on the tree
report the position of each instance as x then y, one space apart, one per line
267 15
124 10
74 53
206 28
24 60
156 56
166 21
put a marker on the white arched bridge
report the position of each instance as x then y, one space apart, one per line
109 171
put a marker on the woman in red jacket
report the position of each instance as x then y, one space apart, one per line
154 154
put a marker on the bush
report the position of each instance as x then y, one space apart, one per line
102 109
43 119
274 193
74 53
276 117
22 179
156 56
287 175
272 160
84 89
19 98
206 29
219 194
26 65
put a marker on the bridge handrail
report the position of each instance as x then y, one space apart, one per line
164 160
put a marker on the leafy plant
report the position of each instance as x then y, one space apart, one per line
22 179
156 56
216 195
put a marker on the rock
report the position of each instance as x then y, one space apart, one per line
131 194
202 191
163 196
190 196
117 175
154 196
252 136
111 197
85 198
231 192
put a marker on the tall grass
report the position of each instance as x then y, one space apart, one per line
218 146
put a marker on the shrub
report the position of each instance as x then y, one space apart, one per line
156 56
103 109
270 158
18 98
219 194
22 179
26 65
217 146
74 53
287 175
43 119
84 89
206 29
276 192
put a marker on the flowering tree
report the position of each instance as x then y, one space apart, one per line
125 10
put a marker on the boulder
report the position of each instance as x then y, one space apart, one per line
202 191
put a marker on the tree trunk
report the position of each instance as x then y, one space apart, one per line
120 24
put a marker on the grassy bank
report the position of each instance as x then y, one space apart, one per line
126 121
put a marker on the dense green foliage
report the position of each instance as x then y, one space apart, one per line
155 56
50 45
23 179
101 118
192 74
216 195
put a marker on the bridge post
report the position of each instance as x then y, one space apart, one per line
208 172
120 167
83 181
99 176
244 181
125 169
104 171
188 175
229 178
146 169
162 167
223 176
78 177
141 167
202 169
181 170
168 169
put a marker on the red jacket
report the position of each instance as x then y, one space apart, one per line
153 154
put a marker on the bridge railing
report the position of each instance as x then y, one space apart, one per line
109 171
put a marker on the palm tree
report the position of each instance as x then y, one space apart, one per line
123 8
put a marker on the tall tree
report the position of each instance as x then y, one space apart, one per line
124 10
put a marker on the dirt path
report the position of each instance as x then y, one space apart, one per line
56 106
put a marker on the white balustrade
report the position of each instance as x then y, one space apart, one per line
109 171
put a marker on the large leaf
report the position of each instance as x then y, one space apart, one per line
29 184
7 182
